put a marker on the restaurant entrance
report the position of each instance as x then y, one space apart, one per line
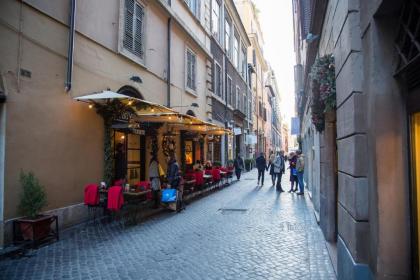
192 148
414 119
129 156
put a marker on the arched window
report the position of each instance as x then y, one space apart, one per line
130 91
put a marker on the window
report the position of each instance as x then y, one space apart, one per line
244 104
191 70
229 92
194 6
244 62
238 99
218 80
215 20
227 38
236 52
133 40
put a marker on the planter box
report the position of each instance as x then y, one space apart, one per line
35 230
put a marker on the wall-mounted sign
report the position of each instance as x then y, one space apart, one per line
295 126
138 131
237 131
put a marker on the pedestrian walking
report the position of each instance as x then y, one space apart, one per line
271 160
261 167
293 172
154 177
279 169
300 168
174 181
238 163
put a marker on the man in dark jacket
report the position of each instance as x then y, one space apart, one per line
238 163
261 166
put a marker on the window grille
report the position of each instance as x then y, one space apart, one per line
407 43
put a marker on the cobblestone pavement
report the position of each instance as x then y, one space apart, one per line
240 232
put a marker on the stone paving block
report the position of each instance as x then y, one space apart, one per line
276 238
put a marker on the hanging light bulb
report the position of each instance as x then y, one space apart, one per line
130 102
153 110
90 106
122 136
170 117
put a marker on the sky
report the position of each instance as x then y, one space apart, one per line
276 20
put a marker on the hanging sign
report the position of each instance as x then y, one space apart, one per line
237 131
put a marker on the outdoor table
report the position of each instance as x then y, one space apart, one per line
189 184
223 174
132 202
207 178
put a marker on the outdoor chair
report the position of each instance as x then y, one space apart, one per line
216 177
115 200
199 179
91 200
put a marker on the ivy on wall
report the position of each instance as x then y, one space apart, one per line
322 77
110 111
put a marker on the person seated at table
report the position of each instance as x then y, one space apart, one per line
208 165
197 166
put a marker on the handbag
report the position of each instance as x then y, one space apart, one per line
169 195
160 170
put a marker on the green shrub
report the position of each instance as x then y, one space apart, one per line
33 197
217 163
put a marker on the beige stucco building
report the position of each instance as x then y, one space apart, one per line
157 50
249 16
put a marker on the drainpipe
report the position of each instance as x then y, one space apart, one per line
72 25
168 78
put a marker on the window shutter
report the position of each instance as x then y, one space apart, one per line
193 70
133 28
138 38
128 24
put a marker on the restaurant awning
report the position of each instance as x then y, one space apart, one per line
140 105
149 112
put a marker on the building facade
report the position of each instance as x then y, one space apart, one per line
366 192
258 72
158 51
274 105
230 90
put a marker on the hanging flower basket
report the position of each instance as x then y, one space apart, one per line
322 77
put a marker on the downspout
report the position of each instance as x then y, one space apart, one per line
168 78
70 50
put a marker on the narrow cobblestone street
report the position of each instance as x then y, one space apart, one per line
241 232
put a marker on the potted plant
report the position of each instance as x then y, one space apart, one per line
33 225
217 164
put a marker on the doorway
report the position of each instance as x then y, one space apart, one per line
129 156
413 107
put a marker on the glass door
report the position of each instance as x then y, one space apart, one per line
415 169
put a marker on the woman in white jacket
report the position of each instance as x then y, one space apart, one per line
154 178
